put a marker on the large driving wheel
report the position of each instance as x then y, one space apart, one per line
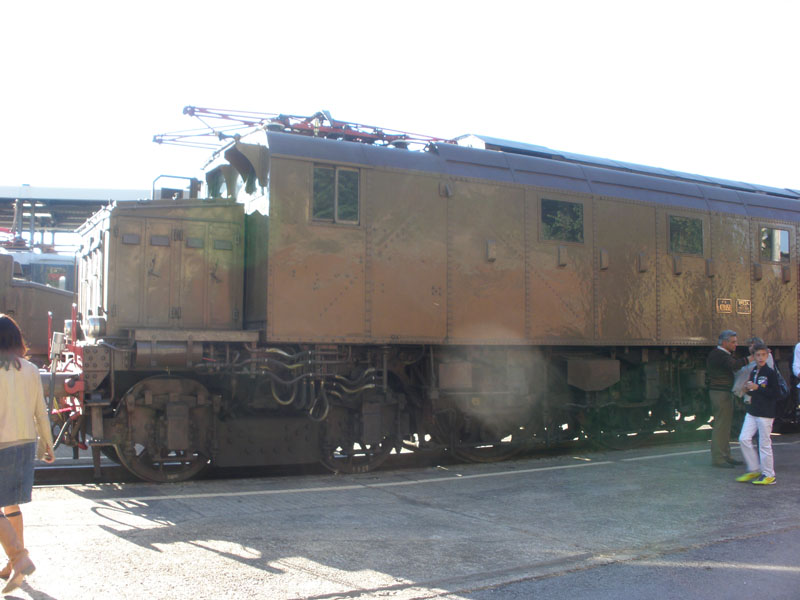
352 457
167 425
617 427
343 448
476 438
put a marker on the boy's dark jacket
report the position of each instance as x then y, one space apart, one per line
764 400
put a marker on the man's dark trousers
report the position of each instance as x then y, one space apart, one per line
722 405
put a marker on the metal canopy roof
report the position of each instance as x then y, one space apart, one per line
68 207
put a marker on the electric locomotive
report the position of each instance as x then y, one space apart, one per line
339 295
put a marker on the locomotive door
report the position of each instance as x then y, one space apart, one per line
224 277
626 274
486 264
407 251
194 284
160 302
210 259
684 276
774 287
560 267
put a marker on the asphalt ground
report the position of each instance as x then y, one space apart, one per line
653 522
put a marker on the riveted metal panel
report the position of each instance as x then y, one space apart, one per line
486 298
406 257
560 297
223 275
161 273
626 289
774 300
154 266
126 274
316 288
194 274
730 244
684 288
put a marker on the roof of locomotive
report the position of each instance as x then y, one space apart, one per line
514 162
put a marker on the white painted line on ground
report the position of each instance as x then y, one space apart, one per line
345 488
362 486
663 455
714 565
389 484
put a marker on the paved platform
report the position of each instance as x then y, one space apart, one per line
455 532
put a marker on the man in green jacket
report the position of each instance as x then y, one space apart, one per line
721 367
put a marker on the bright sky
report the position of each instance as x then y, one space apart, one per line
704 86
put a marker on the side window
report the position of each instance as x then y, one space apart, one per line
774 245
562 221
685 235
335 195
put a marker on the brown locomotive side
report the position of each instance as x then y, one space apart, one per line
472 265
357 299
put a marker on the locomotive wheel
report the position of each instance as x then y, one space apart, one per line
467 440
170 467
686 423
617 428
342 448
353 457
687 414
149 459
110 453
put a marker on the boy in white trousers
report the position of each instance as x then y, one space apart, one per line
761 404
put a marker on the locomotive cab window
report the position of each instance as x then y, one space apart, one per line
774 245
562 221
335 195
685 235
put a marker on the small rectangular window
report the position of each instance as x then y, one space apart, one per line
194 242
130 238
685 235
223 245
335 195
562 221
774 244
159 240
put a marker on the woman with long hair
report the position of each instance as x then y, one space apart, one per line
23 415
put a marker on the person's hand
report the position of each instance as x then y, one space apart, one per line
49 455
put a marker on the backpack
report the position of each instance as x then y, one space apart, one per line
783 387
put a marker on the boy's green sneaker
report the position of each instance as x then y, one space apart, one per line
764 480
748 476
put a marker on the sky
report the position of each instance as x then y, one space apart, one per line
703 86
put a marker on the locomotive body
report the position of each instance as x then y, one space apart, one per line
357 299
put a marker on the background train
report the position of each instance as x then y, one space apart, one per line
339 295
31 285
